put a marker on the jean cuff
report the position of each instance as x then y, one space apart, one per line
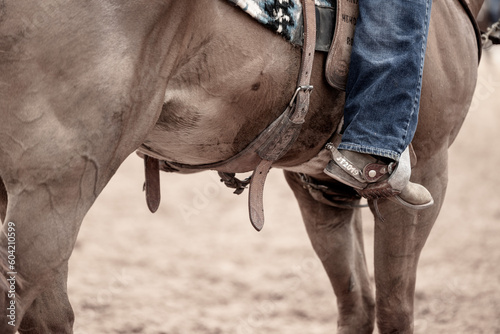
370 150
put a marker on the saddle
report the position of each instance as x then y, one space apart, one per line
334 34
280 135
277 139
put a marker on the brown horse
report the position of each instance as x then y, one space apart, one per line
83 84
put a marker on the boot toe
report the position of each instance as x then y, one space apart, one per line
415 196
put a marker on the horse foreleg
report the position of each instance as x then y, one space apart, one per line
40 229
399 239
51 311
336 236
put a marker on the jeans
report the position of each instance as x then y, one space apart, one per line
494 10
385 76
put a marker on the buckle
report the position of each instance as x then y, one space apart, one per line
305 89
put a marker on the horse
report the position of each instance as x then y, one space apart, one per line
84 84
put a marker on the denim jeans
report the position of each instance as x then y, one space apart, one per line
385 76
494 10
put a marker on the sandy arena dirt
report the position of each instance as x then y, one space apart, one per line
197 265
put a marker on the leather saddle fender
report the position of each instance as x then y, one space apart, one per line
339 56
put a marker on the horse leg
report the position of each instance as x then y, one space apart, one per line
66 133
336 236
399 239
51 311
44 217
49 194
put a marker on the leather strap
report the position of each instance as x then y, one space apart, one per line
466 6
289 127
306 66
339 57
152 183
256 194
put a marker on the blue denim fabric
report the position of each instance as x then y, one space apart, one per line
494 10
385 76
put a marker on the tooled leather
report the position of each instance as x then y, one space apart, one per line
378 190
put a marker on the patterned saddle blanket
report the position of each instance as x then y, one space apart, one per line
285 18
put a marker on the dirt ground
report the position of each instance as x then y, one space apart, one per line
197 266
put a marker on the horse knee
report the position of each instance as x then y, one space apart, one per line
356 317
394 314
397 321
50 312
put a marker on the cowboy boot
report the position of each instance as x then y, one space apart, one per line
373 178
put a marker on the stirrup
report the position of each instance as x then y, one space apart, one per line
369 182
